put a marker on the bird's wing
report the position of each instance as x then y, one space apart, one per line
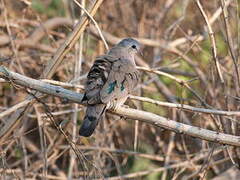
110 79
123 78
96 79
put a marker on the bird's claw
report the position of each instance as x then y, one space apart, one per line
125 106
113 105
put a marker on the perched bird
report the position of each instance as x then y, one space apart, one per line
110 80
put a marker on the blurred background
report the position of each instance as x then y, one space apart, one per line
175 39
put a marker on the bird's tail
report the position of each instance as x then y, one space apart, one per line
93 114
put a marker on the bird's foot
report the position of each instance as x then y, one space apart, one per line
125 106
112 105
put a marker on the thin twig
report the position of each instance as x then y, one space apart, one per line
229 39
95 23
186 107
212 38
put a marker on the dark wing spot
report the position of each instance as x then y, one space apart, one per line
122 84
130 75
122 87
96 70
84 98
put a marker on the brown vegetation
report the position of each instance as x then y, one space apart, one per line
191 60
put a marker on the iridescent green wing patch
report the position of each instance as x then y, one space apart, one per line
122 87
111 87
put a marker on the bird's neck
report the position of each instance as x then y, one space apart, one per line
122 53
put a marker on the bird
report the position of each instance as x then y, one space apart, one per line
110 80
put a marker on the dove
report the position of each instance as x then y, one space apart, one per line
111 79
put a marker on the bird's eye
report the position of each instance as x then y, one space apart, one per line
134 46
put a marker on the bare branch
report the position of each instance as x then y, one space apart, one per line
127 112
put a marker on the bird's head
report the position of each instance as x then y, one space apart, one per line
132 45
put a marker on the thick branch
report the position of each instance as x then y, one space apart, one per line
127 112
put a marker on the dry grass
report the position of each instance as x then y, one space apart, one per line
191 57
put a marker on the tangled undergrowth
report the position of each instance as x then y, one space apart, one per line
197 42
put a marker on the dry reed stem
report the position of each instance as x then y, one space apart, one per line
52 65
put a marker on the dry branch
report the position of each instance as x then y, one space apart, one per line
127 112
187 107
176 41
69 42
52 65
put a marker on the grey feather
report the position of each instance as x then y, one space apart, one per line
93 115
111 78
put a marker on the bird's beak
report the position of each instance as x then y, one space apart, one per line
140 52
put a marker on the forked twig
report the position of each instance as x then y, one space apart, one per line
212 38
